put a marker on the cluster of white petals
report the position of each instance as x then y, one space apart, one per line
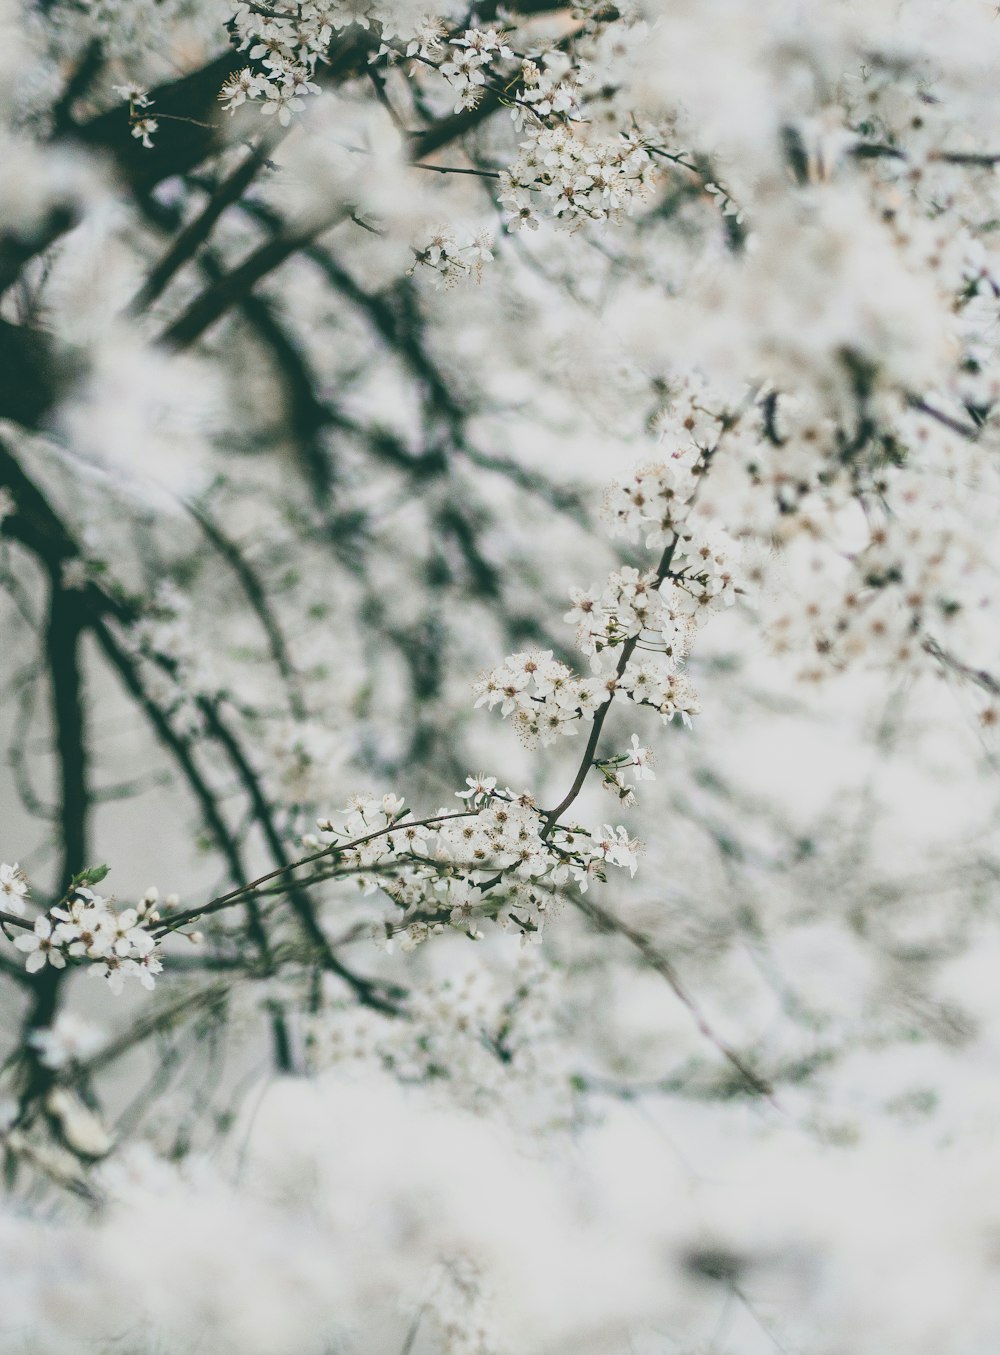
450 259
500 860
470 58
574 178
86 927
13 888
542 695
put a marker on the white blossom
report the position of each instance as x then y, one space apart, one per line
13 888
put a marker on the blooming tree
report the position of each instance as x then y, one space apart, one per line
601 396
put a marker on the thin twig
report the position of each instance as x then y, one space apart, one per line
335 849
454 169
656 960
979 676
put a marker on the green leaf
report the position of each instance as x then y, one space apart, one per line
93 875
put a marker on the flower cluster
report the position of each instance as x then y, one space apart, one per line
281 87
426 41
623 771
633 603
143 126
579 179
13 888
469 62
549 89
504 858
452 262
501 859
284 42
543 695
653 682
654 504
86 927
688 418
578 172
649 618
